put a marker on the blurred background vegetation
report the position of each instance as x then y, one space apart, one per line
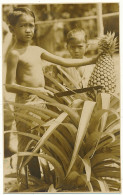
53 21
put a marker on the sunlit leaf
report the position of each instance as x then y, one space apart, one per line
72 113
87 165
83 124
35 137
52 189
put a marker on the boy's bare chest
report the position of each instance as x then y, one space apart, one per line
30 58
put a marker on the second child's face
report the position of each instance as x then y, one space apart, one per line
77 48
24 29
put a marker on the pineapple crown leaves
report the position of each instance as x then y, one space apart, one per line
108 43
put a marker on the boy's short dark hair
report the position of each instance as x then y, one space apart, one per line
73 34
17 12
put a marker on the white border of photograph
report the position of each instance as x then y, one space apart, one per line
121 71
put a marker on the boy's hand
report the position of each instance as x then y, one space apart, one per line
49 92
41 89
95 58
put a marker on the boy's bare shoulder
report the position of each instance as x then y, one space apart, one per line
13 55
37 48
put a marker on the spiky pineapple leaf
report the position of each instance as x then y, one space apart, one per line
47 134
30 117
108 43
87 164
63 159
69 77
58 168
46 171
102 156
83 124
115 124
72 114
64 144
34 137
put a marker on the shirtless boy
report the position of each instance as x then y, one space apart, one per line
24 65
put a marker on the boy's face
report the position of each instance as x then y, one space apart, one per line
24 29
77 48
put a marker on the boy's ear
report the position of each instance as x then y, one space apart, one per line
11 28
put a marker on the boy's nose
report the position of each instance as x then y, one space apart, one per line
76 49
27 29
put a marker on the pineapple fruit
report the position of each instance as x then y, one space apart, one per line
104 73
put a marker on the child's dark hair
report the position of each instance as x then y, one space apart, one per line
17 12
74 33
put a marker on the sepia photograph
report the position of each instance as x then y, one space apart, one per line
61 97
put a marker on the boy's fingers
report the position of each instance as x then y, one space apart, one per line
46 91
50 93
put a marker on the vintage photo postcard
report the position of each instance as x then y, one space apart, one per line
61 97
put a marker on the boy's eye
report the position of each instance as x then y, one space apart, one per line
23 25
73 47
27 25
31 25
78 46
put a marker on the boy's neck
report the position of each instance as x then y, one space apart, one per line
20 44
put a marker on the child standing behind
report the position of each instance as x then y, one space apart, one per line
24 68
77 47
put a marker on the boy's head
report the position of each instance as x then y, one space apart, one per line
14 16
77 43
22 23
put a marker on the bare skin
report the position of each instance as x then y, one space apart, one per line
77 47
24 65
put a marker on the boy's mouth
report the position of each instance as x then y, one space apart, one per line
77 55
28 36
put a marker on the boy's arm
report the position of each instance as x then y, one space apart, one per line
7 41
67 62
12 62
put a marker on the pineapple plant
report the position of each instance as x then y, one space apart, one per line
104 73
79 142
